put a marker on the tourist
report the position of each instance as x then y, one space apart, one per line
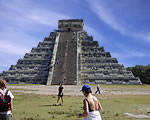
98 89
5 102
60 94
91 105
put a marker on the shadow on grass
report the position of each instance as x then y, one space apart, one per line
50 105
47 105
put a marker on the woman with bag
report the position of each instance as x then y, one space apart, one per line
5 102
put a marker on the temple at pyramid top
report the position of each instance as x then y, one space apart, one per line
69 55
70 25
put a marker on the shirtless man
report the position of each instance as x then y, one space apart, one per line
91 105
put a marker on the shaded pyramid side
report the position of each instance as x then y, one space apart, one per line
34 67
97 65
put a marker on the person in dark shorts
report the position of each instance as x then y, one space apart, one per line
60 94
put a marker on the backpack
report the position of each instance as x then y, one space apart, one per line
5 102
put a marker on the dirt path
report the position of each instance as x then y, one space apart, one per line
75 90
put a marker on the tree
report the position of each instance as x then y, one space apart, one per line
143 72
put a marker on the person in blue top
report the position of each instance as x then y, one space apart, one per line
98 89
91 105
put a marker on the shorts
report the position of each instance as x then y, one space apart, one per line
95 115
5 117
60 94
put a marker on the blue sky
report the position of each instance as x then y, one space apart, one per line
122 27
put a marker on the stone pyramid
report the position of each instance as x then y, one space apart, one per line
71 56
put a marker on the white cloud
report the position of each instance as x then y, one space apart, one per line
128 54
125 53
96 36
26 14
115 21
22 21
14 36
124 57
106 16
45 17
143 36
12 48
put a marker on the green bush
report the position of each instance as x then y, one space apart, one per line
143 72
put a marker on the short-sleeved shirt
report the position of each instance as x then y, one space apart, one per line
60 89
11 96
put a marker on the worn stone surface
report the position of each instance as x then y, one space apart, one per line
71 56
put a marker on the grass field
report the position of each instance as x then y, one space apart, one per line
41 107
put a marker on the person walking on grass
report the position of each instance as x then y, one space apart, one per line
98 89
6 105
60 94
91 105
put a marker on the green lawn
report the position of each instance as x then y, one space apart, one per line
41 107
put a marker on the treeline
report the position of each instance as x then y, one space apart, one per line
143 72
